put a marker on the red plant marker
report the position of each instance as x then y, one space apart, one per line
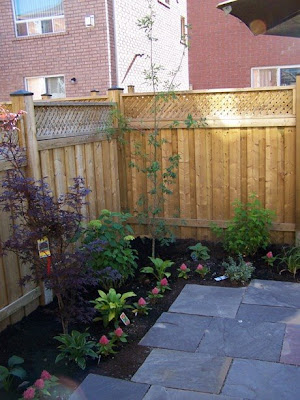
48 265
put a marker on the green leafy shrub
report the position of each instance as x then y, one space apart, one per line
291 258
111 305
76 347
159 269
239 272
13 370
112 230
199 252
249 229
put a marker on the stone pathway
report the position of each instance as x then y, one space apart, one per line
217 343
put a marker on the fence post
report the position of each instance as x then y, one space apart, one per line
115 95
297 177
23 100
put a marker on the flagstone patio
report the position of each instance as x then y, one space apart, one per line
217 343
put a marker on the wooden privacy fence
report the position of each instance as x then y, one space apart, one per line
250 143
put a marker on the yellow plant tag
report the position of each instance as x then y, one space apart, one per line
43 247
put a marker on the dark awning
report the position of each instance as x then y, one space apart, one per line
268 17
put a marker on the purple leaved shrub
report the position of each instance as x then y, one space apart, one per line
35 213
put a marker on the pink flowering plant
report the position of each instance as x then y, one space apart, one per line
269 259
163 285
141 307
118 335
202 270
41 387
155 294
183 271
105 346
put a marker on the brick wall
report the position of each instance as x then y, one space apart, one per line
88 54
131 40
80 52
223 50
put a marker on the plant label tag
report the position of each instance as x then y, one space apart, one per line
221 278
124 319
43 247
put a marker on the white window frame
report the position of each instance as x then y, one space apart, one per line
34 20
44 77
277 67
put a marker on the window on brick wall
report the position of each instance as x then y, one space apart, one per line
54 85
37 17
274 76
164 2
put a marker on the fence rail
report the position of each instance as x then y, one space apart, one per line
250 143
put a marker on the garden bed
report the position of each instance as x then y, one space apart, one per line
32 338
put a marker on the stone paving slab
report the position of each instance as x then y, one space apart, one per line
273 293
162 393
291 346
176 332
243 339
255 313
208 300
98 387
182 370
262 380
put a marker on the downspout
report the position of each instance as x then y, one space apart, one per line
108 44
116 42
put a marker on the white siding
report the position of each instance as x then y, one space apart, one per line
131 40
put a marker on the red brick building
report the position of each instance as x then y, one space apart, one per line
68 47
224 53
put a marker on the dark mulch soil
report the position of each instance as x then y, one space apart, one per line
32 338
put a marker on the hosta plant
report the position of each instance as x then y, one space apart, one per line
291 259
110 305
159 269
12 371
199 252
240 271
76 347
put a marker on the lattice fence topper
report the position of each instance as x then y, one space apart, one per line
248 103
67 119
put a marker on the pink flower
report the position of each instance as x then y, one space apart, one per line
45 375
270 254
142 302
39 384
183 267
119 332
155 291
164 282
103 340
200 266
29 393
